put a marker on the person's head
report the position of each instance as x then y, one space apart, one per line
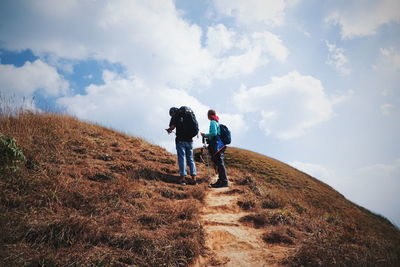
211 113
172 111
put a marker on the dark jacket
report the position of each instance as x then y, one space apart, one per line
177 121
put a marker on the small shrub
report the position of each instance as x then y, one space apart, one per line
74 199
262 219
259 220
101 177
234 191
146 173
142 194
187 211
137 242
246 181
272 202
153 221
185 229
62 232
199 193
282 217
247 204
42 260
167 161
254 187
104 157
171 194
299 208
10 154
277 237
80 150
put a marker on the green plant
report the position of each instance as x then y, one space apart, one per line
10 154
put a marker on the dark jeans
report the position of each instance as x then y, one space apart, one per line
219 162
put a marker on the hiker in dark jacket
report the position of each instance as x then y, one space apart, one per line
184 144
216 148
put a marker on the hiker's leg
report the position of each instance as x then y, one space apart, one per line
180 149
219 161
214 164
189 158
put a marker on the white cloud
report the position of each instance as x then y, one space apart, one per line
254 12
25 80
288 106
130 105
148 37
241 54
337 99
337 59
273 44
387 70
235 123
389 60
240 64
387 109
383 171
364 17
219 39
317 171
379 192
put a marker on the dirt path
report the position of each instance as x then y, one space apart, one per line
229 242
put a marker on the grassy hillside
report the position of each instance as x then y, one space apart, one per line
89 196
326 228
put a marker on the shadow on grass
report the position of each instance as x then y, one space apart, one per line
155 175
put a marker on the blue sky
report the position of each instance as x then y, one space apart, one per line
312 83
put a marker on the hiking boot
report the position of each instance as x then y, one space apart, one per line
182 181
193 181
219 184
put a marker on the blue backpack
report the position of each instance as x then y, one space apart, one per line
225 134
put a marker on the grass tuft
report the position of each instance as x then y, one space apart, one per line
278 237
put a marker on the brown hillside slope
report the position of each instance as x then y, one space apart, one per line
325 228
89 196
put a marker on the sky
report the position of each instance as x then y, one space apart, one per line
313 83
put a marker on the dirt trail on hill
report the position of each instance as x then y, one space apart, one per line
229 242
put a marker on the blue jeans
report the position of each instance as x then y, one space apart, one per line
185 149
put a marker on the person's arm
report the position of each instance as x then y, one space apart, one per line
171 125
213 131
170 129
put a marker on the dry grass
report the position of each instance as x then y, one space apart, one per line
90 196
279 236
305 213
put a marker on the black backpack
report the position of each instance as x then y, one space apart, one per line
225 134
190 125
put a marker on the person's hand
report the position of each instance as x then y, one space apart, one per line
202 134
168 130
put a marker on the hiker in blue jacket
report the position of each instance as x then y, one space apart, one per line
184 143
216 148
